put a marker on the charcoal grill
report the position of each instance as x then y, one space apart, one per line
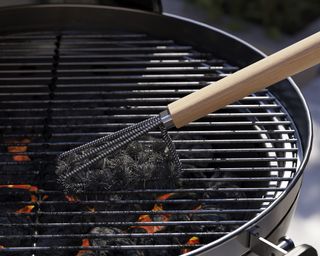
72 73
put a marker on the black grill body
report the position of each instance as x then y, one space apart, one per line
81 71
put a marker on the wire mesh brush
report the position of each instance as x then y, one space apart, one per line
75 166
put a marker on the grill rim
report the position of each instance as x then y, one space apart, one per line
292 189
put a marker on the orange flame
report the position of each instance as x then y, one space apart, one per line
85 243
192 241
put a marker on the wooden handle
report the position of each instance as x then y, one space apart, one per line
274 68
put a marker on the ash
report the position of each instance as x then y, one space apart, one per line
138 166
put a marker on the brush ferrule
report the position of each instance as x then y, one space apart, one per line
166 119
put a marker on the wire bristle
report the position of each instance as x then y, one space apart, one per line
79 168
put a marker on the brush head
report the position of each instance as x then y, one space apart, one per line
137 166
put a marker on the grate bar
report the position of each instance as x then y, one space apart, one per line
128 94
159 191
134 63
178 142
176 212
86 101
67 43
168 201
122 70
28 37
175 133
145 69
155 55
158 48
237 179
149 108
191 160
100 248
127 235
188 151
144 62
161 48
128 223
110 125
142 116
234 159
119 77
240 169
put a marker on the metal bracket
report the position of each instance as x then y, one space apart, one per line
262 246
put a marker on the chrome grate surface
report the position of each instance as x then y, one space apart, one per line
58 91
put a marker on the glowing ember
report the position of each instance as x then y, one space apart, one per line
19 149
91 209
30 188
199 207
192 241
165 196
21 158
71 199
162 217
148 229
26 209
85 243
34 199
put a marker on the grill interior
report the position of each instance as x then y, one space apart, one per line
59 90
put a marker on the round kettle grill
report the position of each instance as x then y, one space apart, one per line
70 73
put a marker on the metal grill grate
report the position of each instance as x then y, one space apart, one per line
58 91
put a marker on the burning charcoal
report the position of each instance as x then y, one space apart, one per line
138 166
113 241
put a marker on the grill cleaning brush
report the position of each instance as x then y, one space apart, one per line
75 167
